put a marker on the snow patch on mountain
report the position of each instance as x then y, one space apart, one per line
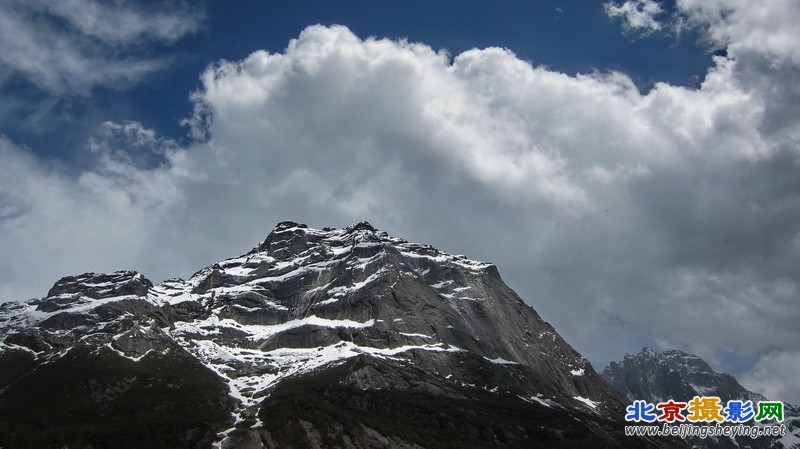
589 403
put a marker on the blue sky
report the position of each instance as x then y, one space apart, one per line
631 166
570 37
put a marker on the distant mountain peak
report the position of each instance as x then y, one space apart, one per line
648 350
288 224
673 374
361 226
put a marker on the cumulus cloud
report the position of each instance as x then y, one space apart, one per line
671 216
69 47
768 28
636 15
772 375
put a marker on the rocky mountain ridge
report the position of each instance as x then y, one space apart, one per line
357 315
673 374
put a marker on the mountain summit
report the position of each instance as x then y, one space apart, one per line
672 374
660 376
315 338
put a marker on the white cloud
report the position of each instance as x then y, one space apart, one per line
120 23
53 223
671 215
772 376
69 47
768 27
636 15
129 143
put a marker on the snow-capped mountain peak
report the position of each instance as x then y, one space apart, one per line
392 314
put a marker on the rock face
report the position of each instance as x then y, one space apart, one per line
658 377
672 375
315 338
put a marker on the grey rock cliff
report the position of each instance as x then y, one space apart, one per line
355 313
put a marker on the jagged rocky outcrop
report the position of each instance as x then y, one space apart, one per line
659 376
315 338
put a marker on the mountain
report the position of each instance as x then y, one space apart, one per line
661 376
344 338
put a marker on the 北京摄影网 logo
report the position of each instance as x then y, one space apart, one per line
705 409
